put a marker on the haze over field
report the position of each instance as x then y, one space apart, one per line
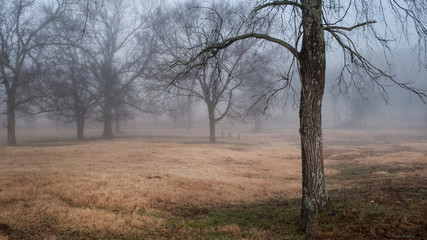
123 119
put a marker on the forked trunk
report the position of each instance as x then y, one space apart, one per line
312 71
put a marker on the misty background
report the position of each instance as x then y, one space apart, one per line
131 46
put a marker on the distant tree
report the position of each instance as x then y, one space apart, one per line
22 39
122 52
306 29
222 78
352 111
69 91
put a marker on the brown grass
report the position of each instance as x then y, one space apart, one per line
133 186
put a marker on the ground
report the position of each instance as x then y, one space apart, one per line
175 186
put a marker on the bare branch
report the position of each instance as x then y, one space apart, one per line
277 3
215 47
348 28
371 70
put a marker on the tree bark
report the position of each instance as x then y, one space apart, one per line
108 123
108 109
312 72
212 138
11 123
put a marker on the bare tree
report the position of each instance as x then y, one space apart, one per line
69 93
22 38
219 84
306 29
121 49
221 79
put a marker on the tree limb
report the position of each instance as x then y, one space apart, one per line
277 3
373 72
215 47
348 28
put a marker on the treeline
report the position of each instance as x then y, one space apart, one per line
108 60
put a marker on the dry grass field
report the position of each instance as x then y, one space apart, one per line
181 187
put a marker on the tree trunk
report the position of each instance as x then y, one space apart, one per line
80 128
212 138
108 110
107 117
11 138
108 123
312 71
108 102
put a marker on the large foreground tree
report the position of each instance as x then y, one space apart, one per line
306 29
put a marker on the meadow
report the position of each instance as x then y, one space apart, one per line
173 185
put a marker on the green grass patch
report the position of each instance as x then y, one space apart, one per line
377 216
271 220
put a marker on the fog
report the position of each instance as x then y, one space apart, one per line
354 110
124 66
187 119
403 112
